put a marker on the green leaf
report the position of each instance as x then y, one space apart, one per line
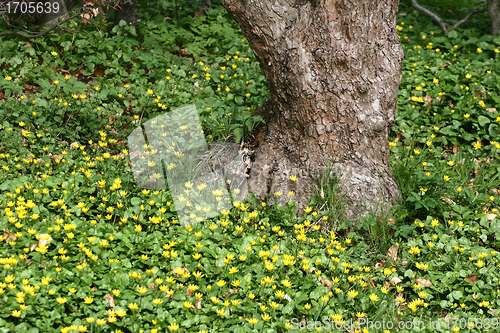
135 201
493 129
238 134
483 120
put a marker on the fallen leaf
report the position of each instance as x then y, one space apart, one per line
189 292
380 264
425 283
393 252
491 217
8 235
427 98
109 298
41 242
491 109
472 278
198 303
179 271
394 281
326 283
371 283
448 200
74 145
312 269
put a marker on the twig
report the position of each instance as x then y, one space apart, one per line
36 35
442 24
465 19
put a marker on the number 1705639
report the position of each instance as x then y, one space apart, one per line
32 7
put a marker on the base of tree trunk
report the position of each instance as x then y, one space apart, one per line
365 188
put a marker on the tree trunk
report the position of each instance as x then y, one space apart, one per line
202 10
49 20
126 12
494 12
333 68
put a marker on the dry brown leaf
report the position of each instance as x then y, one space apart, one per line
427 98
448 200
8 235
109 298
41 242
179 271
312 269
491 217
189 293
326 282
73 145
491 109
394 281
233 291
94 289
425 283
152 285
472 278
197 304
393 252
371 283
111 120
380 264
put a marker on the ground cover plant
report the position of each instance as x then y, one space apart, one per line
83 248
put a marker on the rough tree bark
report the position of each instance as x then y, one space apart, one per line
49 20
126 12
333 68
204 7
494 12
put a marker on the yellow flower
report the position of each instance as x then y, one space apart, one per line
61 300
142 290
133 306
307 306
53 53
16 313
8 78
88 300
